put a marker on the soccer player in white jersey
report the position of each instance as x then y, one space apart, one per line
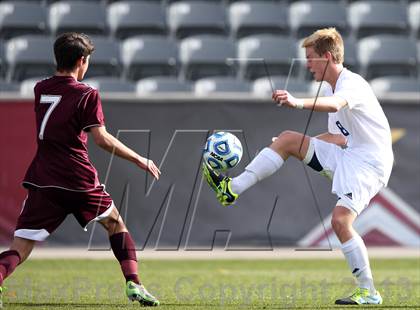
355 153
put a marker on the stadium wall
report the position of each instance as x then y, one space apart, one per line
179 211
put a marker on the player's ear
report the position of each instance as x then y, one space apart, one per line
329 56
80 61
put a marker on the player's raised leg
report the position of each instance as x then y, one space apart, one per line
267 162
124 249
10 259
355 252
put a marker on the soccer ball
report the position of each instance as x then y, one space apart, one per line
222 151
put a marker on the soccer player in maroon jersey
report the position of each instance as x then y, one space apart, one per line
61 179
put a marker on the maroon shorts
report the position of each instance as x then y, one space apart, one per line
46 208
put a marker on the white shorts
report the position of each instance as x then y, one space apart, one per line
353 181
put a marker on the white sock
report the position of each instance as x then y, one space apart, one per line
262 166
357 258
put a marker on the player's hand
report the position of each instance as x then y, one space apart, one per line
283 97
149 165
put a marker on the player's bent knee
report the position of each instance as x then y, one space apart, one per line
286 139
288 135
289 143
114 224
339 224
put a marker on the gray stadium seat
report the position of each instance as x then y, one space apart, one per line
188 18
105 60
255 17
8 86
220 85
368 18
148 55
307 16
80 16
128 18
162 84
2 59
414 18
401 84
19 18
264 86
350 54
205 55
173 1
48 2
384 55
29 56
27 86
351 1
418 59
277 52
110 84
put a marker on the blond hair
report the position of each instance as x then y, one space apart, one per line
326 40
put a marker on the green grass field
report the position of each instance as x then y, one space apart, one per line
207 284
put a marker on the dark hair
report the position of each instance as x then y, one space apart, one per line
69 47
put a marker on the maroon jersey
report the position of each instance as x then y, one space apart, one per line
65 109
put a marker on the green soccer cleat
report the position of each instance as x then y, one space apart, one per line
221 185
361 296
136 292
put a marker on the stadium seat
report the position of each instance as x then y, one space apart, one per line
29 56
384 55
105 60
276 51
350 54
206 55
188 18
414 18
2 59
255 17
110 84
148 55
162 84
27 86
264 86
220 85
307 16
418 59
19 18
128 18
81 16
368 18
48 2
400 84
8 86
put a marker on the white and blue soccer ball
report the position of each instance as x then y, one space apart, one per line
222 151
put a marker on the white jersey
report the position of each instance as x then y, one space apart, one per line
363 122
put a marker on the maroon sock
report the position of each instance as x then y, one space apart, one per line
8 262
124 250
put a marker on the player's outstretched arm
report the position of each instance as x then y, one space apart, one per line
323 104
111 144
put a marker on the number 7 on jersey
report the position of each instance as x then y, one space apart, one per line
54 101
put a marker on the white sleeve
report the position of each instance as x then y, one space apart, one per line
332 126
352 92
